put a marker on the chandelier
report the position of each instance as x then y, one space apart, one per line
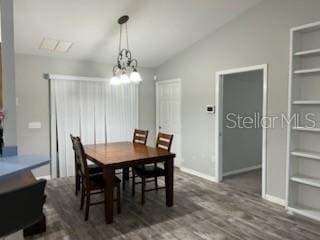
125 71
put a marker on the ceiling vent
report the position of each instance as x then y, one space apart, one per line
55 45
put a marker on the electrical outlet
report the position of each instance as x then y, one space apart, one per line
34 125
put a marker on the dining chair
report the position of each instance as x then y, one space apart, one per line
93 168
140 137
153 171
22 207
93 183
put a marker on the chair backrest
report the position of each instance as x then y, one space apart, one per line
76 159
81 156
164 141
21 208
140 136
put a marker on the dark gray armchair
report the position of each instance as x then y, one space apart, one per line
21 208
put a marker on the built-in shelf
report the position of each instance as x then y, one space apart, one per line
310 181
305 211
306 102
306 154
302 163
307 71
306 129
308 53
307 28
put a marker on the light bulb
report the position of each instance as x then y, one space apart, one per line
114 80
124 79
135 77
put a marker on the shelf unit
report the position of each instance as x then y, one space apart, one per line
306 102
307 71
308 53
305 211
310 181
305 154
306 129
303 158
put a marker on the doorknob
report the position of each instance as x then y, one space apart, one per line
160 127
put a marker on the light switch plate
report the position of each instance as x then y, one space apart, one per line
34 125
210 109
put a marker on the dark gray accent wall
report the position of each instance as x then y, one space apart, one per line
242 140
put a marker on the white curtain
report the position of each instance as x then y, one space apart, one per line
93 110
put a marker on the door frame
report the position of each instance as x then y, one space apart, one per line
219 119
162 82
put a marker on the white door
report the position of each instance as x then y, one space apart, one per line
169 113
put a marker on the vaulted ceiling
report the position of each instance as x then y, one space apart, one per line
158 29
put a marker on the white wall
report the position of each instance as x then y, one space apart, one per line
243 96
260 35
33 95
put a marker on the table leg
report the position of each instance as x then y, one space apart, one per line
109 175
126 173
169 181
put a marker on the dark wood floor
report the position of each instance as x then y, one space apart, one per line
202 211
248 182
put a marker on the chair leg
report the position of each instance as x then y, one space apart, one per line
77 178
86 216
82 197
123 181
156 183
125 177
133 183
118 199
143 188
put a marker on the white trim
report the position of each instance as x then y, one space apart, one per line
46 177
306 26
218 129
242 170
218 118
198 174
174 80
276 200
304 211
288 155
243 69
49 76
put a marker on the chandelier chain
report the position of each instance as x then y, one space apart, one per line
120 38
127 36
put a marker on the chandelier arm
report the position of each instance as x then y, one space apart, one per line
115 69
128 56
134 64
127 36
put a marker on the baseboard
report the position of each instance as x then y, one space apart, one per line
198 174
243 170
178 164
276 200
47 177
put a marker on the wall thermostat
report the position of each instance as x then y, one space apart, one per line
210 109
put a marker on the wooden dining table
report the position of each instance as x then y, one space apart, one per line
122 155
